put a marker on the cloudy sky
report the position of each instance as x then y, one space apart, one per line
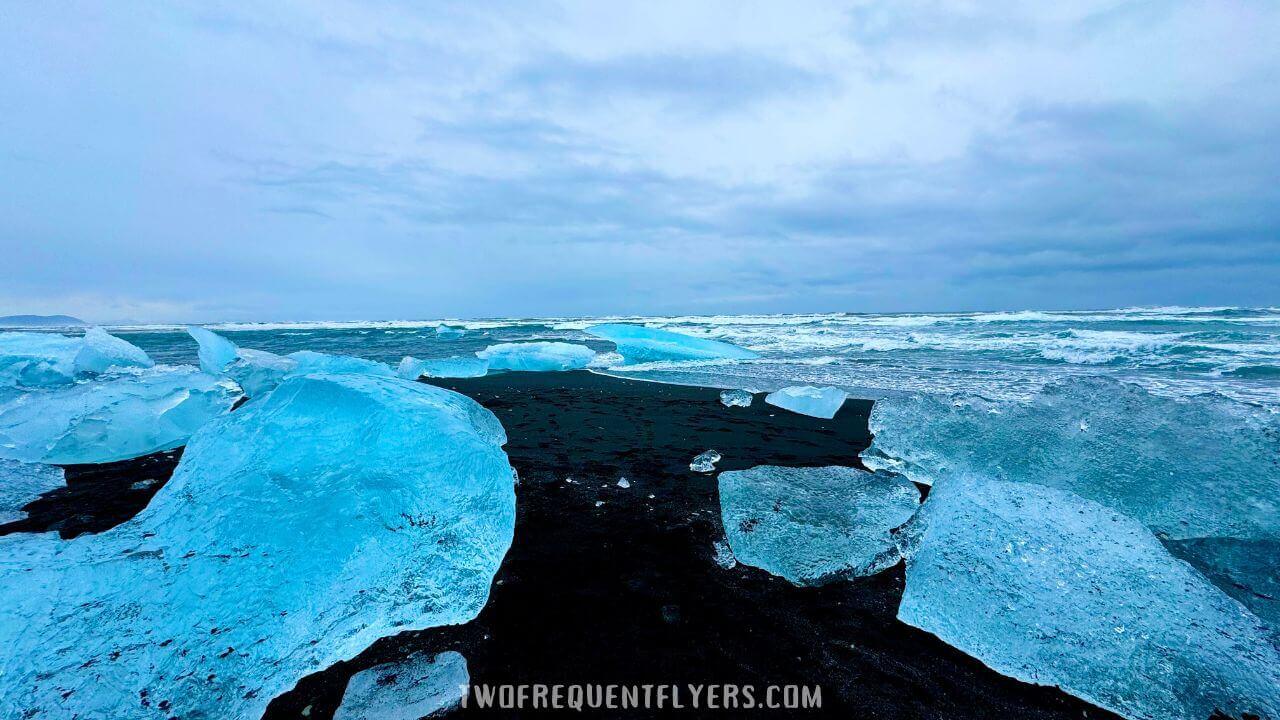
397 160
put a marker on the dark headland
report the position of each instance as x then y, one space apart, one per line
628 592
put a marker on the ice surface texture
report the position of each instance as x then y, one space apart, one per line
1201 467
46 359
215 352
101 351
639 344
819 402
310 362
812 525
1048 587
413 688
20 483
736 398
452 367
537 356
114 418
297 530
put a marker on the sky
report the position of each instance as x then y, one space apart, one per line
332 160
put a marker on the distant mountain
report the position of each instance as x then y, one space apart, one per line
39 321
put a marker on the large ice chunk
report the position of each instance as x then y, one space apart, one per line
419 686
639 344
100 351
215 352
537 356
452 367
1050 588
20 483
114 418
1247 570
811 525
259 372
1204 466
820 402
32 359
297 530
310 363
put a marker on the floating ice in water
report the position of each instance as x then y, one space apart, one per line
30 359
114 418
413 688
1050 588
452 367
101 351
311 363
1204 466
638 344
537 356
258 372
706 462
624 483
736 398
20 483
820 402
450 332
724 554
812 525
1247 570
295 532
215 352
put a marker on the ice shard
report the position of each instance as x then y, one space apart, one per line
639 344
331 512
215 352
705 462
1051 588
537 356
813 525
101 351
20 483
820 402
419 686
113 418
310 363
32 359
736 398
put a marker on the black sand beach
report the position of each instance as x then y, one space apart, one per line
628 592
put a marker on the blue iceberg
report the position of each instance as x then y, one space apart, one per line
113 418
813 525
215 352
20 483
418 686
639 344
537 356
31 359
736 398
820 402
310 363
452 367
450 332
101 351
258 372
296 531
1050 588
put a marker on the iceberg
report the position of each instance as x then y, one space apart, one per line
296 531
705 462
113 418
1051 588
33 359
638 344
20 483
419 686
537 356
310 363
452 367
736 398
813 525
101 351
215 352
258 372
450 332
819 402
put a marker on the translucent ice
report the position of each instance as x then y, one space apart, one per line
416 687
736 398
20 483
812 525
30 359
215 351
258 372
1204 466
820 402
537 356
724 554
113 418
451 367
450 332
297 530
1050 588
705 462
101 351
1247 570
638 344
310 363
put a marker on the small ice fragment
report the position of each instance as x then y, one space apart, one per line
736 398
599 503
706 462
819 402
724 554
20 483
144 484
638 344
624 483
102 351
450 332
419 686
537 356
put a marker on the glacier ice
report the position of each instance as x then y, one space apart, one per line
32 359
820 402
20 483
100 351
451 367
418 686
537 356
1200 467
1247 570
1051 588
258 372
311 362
812 525
333 511
215 352
724 554
736 398
639 344
450 332
705 462
113 418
